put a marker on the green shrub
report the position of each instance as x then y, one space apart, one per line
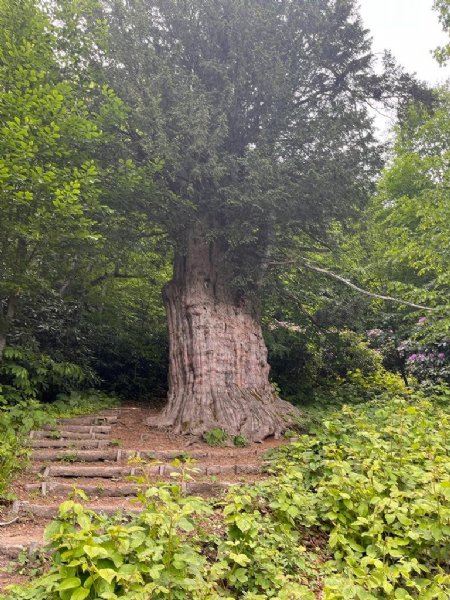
16 421
307 365
240 441
27 375
216 437
170 551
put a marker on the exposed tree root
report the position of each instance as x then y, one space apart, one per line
237 411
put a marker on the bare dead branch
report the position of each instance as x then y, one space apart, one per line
363 291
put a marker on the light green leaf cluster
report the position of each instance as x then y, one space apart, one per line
411 211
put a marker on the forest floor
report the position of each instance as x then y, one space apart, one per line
101 454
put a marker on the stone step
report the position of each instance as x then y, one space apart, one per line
57 434
73 455
55 488
80 428
68 443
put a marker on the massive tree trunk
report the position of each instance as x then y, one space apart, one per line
219 375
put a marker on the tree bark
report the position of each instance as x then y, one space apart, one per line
218 374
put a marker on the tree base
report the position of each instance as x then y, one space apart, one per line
236 411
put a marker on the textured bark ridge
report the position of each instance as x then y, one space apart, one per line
218 374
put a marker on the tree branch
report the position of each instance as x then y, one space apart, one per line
113 275
361 290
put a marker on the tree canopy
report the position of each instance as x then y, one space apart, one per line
259 111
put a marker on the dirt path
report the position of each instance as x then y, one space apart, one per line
98 454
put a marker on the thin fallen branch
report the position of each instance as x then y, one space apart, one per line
361 290
9 522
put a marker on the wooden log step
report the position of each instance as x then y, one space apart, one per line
207 488
57 434
55 488
106 472
68 443
75 455
80 428
161 470
169 455
200 470
10 548
90 420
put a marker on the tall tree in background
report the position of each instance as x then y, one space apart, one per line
49 198
259 111
409 217
66 226
50 177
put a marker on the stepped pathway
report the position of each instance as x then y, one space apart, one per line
98 454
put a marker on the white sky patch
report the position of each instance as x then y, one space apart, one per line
411 30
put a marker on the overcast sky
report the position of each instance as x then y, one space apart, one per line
410 29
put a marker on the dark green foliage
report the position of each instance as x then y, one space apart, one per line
27 375
73 247
257 110
306 362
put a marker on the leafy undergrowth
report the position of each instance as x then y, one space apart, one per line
360 509
380 476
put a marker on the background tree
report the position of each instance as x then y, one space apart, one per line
70 241
409 230
49 198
